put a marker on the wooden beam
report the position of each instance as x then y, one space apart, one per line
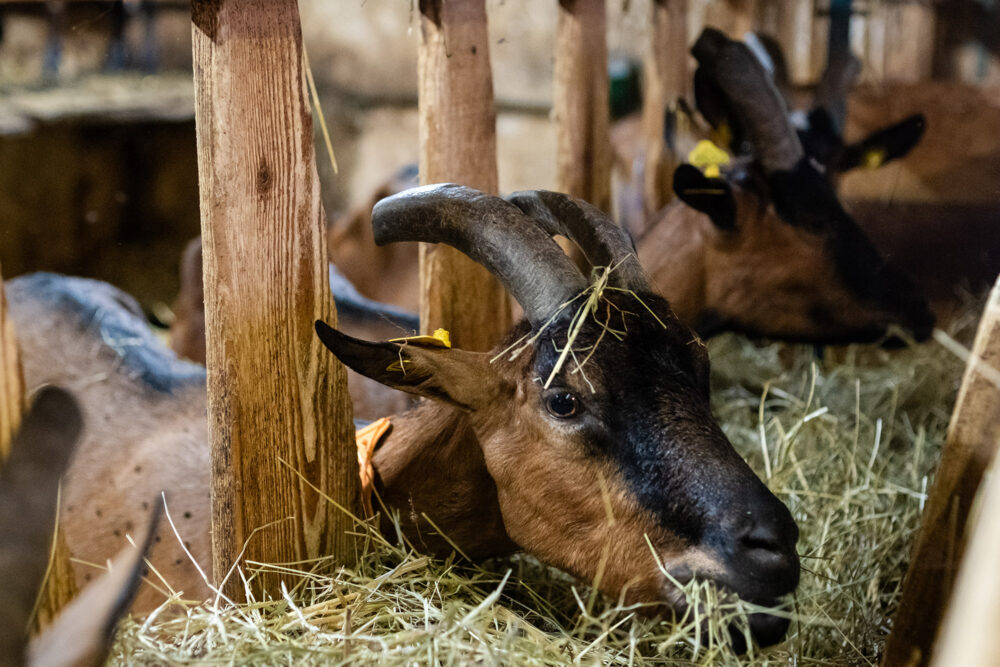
11 379
905 32
580 102
458 144
279 414
973 437
60 584
667 77
968 635
733 17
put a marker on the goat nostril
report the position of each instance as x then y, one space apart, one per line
762 536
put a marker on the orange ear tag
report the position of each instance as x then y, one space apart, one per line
367 439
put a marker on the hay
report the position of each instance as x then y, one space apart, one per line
849 444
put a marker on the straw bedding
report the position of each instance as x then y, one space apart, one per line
849 442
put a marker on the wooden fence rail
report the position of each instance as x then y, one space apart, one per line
973 437
280 425
458 144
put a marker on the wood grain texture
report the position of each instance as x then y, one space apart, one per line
968 635
580 102
666 75
278 408
733 17
11 379
60 585
973 437
458 144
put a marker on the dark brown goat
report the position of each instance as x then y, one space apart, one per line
766 248
515 451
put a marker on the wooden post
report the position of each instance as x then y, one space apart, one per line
60 584
733 17
11 379
973 437
279 414
580 102
666 75
969 636
458 144
903 34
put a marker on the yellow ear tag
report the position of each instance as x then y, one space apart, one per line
440 338
874 158
708 157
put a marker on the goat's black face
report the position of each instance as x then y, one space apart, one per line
622 445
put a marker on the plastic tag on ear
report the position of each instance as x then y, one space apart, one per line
874 158
440 338
708 157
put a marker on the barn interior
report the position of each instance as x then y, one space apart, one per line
99 178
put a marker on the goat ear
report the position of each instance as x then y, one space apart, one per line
29 484
82 632
821 139
711 196
444 374
882 146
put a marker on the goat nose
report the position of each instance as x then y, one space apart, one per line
771 528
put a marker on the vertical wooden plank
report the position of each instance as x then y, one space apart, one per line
667 77
458 144
11 379
907 41
968 635
60 584
580 102
973 437
733 17
278 409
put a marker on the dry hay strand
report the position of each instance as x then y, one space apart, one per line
849 444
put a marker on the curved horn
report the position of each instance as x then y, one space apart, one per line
490 231
752 95
602 241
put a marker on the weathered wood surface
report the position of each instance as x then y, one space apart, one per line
60 584
580 102
278 409
968 635
11 379
973 437
458 144
734 17
666 75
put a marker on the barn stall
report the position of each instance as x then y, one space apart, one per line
849 438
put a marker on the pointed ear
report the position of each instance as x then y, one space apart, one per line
454 376
711 196
29 483
882 146
83 631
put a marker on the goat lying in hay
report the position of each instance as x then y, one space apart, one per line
604 461
29 485
765 247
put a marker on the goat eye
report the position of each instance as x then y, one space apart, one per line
562 404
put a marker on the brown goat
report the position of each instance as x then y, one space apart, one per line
766 248
515 451
29 483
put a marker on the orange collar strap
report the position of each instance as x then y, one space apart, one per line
367 439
